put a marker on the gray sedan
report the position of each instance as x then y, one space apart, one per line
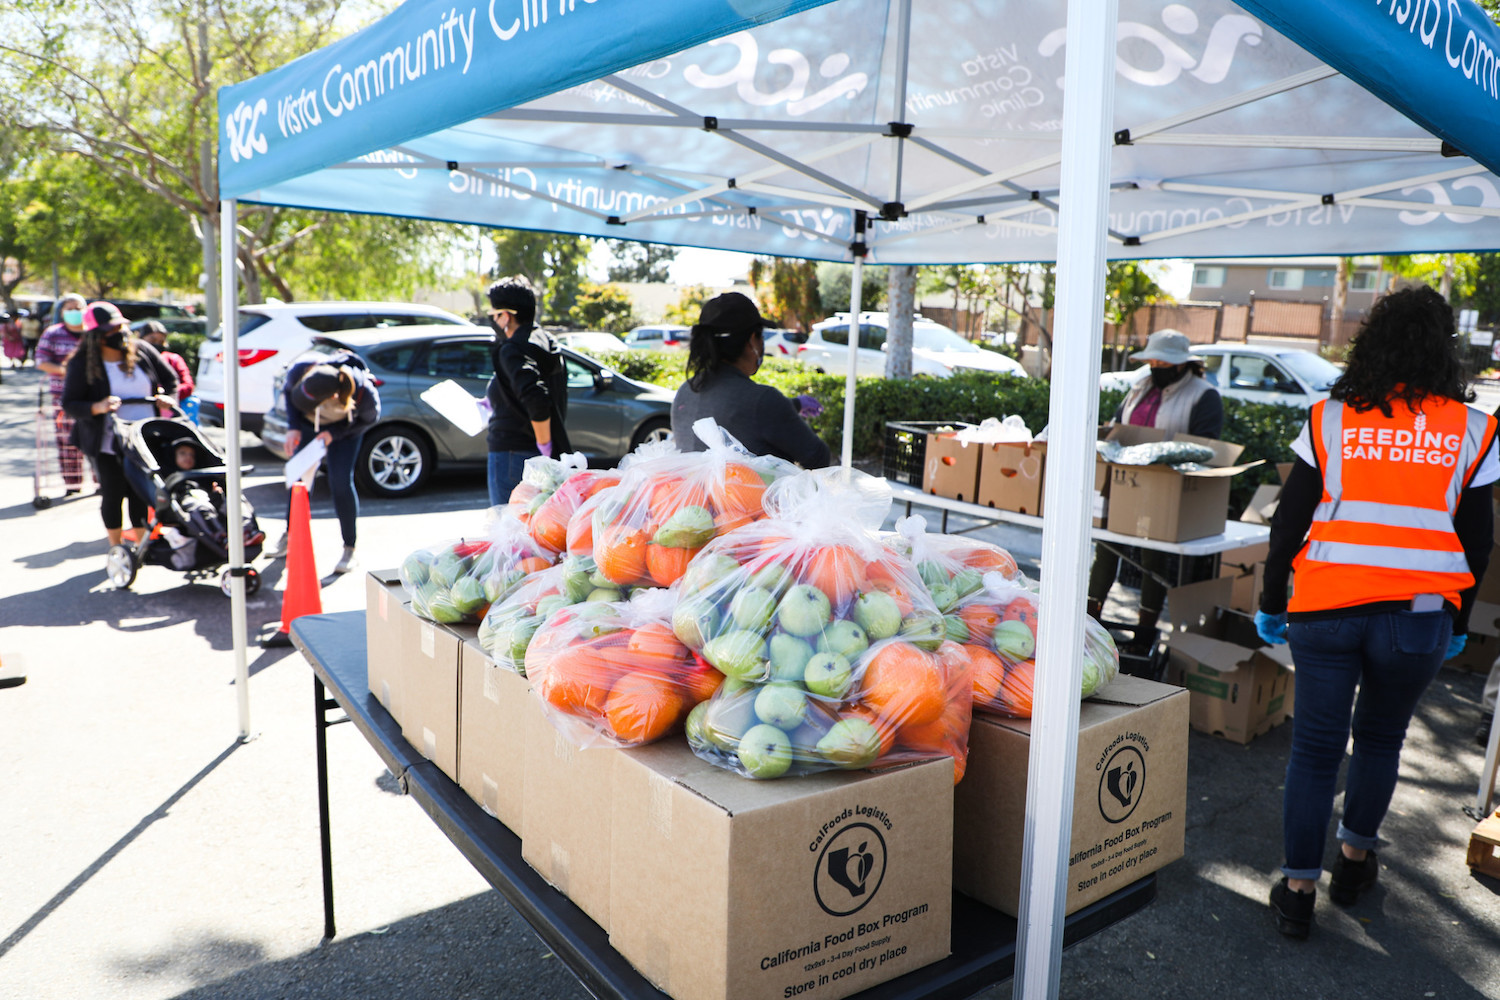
609 415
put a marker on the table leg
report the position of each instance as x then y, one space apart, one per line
321 704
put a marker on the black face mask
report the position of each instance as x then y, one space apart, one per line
1163 377
115 339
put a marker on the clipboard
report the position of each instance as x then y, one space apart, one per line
303 466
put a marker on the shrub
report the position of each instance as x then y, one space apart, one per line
187 345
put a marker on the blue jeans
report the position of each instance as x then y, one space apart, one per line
505 469
339 466
1391 656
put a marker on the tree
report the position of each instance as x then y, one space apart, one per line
1486 297
554 263
1129 285
640 261
603 307
788 291
902 297
132 90
835 281
688 307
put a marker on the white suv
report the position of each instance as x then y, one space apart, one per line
936 350
272 334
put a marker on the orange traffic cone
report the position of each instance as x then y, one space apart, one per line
302 596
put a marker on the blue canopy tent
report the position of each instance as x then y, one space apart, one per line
894 133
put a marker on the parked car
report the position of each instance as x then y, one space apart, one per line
139 309
272 334
1254 373
660 337
590 341
783 344
936 350
175 324
609 415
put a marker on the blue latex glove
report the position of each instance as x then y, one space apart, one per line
1271 628
545 447
808 407
1456 645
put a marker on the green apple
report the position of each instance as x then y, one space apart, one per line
598 579
878 614
728 718
804 610
932 574
789 656
851 743
752 609
739 654
696 728
955 629
414 568
844 638
695 621
765 752
967 581
774 577
576 586
546 605
705 570
1014 640
943 596
829 675
689 527
782 705
924 630
605 595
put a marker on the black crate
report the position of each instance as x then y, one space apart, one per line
906 448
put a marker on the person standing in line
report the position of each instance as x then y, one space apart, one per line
1384 526
528 394
1176 397
726 348
31 331
109 368
333 399
53 352
153 333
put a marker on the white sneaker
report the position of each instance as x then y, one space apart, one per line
277 551
346 561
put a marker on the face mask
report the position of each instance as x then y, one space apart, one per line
1163 377
115 339
73 317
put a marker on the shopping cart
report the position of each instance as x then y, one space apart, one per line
46 475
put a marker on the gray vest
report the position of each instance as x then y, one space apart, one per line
1177 401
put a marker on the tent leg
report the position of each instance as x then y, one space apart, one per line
229 309
856 289
1084 209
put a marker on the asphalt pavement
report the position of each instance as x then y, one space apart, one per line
145 852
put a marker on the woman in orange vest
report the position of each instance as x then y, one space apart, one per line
1385 525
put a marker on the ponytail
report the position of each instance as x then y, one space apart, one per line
711 348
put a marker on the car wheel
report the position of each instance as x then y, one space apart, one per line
393 461
655 429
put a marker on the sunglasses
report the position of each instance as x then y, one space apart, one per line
497 313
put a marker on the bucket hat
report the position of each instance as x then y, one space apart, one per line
1171 346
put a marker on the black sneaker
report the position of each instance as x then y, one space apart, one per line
1482 733
1294 910
1350 878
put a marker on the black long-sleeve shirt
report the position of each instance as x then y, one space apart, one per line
757 416
530 384
1473 522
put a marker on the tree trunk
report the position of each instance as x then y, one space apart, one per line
1340 301
901 295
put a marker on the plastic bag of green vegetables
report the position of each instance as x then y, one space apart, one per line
457 581
507 629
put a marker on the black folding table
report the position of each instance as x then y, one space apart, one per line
984 940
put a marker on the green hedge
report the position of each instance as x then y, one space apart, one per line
187 345
1266 431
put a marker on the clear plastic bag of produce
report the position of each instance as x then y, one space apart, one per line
1002 622
953 567
832 645
611 673
646 530
540 477
550 491
457 581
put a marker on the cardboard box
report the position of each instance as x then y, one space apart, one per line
815 887
1129 796
1011 475
1101 492
428 702
1246 569
1483 647
1155 501
1484 846
1262 506
494 706
385 617
1239 687
565 815
951 468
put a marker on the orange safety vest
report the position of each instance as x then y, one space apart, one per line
1391 485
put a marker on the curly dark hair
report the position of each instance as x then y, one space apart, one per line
516 294
1405 350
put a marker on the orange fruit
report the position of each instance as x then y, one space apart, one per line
904 685
988 559
1016 689
549 525
641 708
580 540
620 554
727 521
1022 609
698 681
533 564
576 680
666 565
981 620
655 643
898 593
987 674
837 570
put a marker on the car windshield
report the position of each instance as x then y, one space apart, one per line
248 321
931 337
1316 372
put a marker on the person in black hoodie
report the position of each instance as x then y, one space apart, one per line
528 394
335 400
110 367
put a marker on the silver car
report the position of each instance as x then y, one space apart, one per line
609 415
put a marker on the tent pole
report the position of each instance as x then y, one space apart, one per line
229 308
856 288
1088 117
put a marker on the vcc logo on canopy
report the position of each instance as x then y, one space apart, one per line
243 127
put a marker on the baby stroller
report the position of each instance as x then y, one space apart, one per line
187 526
